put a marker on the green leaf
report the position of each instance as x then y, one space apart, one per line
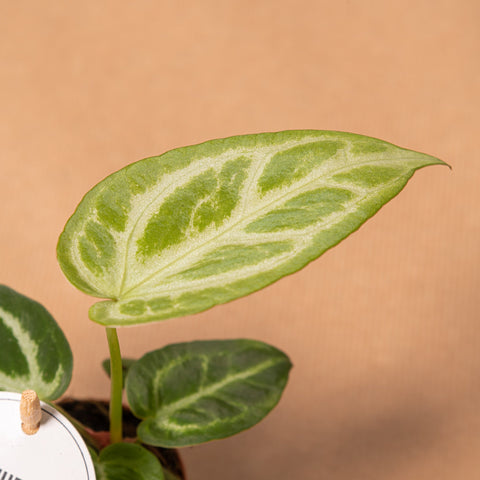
34 353
126 364
202 225
127 461
191 393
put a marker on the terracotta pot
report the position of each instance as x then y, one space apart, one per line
93 414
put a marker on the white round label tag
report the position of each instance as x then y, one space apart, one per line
56 451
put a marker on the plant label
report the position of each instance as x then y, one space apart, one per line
56 451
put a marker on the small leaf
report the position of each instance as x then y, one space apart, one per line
202 225
127 461
189 393
126 364
34 353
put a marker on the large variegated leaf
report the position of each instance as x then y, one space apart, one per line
195 392
34 353
202 225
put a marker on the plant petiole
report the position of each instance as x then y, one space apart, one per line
116 387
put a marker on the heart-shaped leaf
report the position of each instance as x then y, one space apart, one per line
34 353
189 393
198 226
127 461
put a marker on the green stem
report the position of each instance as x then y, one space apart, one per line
116 376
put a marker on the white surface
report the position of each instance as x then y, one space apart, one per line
56 451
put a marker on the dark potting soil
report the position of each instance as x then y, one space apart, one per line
94 415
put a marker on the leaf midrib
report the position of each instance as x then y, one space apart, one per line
165 411
238 152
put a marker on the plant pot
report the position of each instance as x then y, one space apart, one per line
93 414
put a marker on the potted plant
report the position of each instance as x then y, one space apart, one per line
179 233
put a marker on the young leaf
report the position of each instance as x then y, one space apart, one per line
202 225
127 461
195 392
34 353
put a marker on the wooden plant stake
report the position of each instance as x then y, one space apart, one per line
30 412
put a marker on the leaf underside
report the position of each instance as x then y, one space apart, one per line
34 353
190 393
202 225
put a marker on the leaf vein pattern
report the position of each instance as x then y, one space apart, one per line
223 232
167 410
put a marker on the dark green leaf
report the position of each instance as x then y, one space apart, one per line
127 461
191 393
34 353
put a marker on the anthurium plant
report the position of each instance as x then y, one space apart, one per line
177 234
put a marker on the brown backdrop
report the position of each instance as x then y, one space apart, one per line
383 330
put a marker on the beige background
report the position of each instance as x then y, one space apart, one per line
383 330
